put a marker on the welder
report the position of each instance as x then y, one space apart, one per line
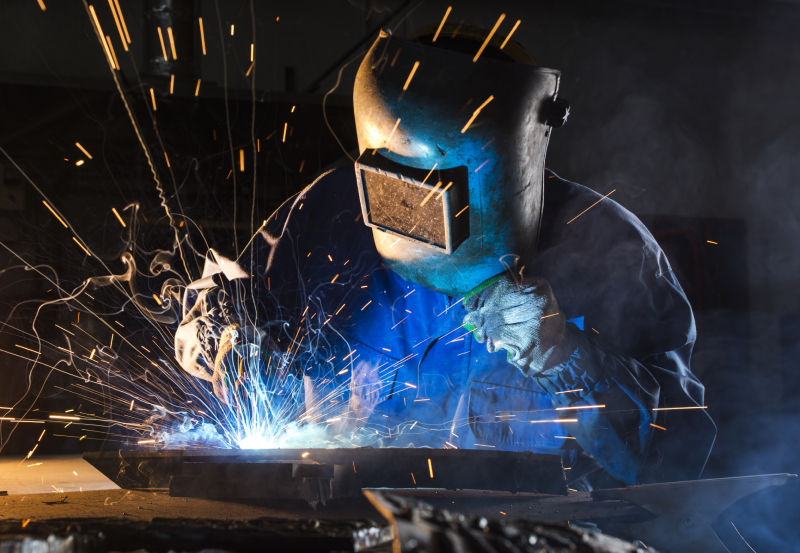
484 302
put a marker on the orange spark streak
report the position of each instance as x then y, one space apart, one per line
488 38
579 407
363 308
241 159
511 33
122 19
679 408
119 27
41 5
197 90
172 43
102 36
81 245
439 30
202 35
121 222
411 75
60 220
171 83
449 184
591 206
553 420
429 173
710 242
430 194
475 114
568 391
83 150
64 417
285 126
163 48
553 315
462 211
414 479
153 97
430 467
656 426
391 134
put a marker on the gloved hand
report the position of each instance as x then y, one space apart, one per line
207 336
365 390
523 319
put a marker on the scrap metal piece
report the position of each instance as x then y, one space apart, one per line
685 511
102 535
416 526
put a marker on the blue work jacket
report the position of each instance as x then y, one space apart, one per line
316 271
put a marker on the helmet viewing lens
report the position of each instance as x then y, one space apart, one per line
428 207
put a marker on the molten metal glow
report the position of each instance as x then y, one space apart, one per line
256 442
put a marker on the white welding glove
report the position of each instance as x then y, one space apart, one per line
521 318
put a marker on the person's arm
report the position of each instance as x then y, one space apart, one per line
611 396
581 373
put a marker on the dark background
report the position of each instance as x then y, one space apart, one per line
689 109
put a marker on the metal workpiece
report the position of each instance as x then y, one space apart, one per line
675 516
312 482
428 108
277 470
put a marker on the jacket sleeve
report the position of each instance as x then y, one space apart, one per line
613 394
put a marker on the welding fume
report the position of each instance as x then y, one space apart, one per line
458 293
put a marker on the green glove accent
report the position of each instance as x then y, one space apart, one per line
483 286
477 290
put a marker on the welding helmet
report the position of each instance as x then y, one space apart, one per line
452 154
